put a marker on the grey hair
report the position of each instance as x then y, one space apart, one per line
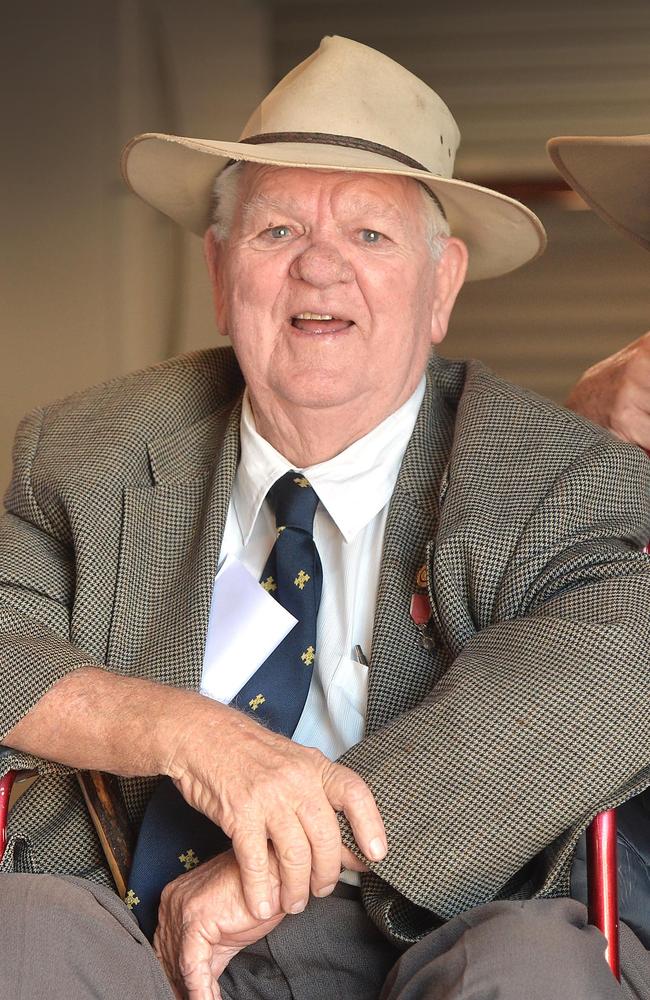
437 230
225 198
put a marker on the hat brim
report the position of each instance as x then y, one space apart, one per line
176 175
612 174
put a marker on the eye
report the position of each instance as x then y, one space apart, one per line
271 237
278 232
371 236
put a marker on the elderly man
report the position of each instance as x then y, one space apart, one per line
459 561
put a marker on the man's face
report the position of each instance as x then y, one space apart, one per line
328 289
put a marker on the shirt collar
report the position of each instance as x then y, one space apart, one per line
353 486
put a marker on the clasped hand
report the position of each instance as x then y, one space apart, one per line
203 921
262 789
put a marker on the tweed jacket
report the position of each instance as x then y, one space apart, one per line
489 748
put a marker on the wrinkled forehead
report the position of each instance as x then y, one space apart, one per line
295 188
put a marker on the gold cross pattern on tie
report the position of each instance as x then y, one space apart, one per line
302 579
308 656
131 899
188 860
269 584
255 702
301 482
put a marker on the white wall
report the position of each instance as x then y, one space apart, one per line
93 282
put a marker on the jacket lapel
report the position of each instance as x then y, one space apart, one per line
172 533
402 670
171 537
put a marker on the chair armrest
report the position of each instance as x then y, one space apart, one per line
6 784
602 882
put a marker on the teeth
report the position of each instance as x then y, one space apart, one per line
313 316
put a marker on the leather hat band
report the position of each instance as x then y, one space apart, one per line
329 139
350 141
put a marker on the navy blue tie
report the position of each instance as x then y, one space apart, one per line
174 837
277 692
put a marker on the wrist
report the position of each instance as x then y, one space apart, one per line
190 723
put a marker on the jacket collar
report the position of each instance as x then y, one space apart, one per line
190 451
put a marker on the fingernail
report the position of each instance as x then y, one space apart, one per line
377 849
264 909
299 906
326 890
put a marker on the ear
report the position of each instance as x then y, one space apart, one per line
213 251
450 275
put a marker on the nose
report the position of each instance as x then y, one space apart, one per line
321 265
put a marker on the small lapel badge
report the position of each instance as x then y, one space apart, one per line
420 606
420 609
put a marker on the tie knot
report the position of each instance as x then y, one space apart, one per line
294 501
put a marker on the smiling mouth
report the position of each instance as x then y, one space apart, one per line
319 323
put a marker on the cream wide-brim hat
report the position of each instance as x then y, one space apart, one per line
346 107
612 174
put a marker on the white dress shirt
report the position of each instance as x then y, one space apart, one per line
354 489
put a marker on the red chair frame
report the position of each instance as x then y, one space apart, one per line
6 784
602 883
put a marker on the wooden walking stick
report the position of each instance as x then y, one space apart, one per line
107 811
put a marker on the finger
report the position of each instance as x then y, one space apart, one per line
252 853
348 793
324 834
633 424
294 858
161 952
194 963
351 861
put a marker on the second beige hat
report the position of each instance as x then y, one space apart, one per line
612 174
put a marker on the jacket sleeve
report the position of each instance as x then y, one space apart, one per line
37 581
543 717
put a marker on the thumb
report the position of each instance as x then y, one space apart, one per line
194 963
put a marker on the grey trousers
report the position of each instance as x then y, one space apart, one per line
65 939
